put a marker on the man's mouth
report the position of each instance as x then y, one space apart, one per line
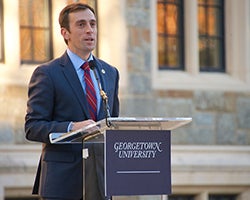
89 39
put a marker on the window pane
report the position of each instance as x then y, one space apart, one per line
210 2
171 19
41 18
24 13
26 48
173 56
1 32
35 31
41 50
202 20
38 52
210 54
214 16
208 21
34 13
170 34
211 35
167 52
180 197
222 197
161 51
161 23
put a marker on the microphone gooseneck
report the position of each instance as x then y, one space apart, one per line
92 66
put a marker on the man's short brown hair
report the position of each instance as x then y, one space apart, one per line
74 7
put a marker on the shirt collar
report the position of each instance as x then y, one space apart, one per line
76 60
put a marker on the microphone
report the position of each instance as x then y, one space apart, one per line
92 66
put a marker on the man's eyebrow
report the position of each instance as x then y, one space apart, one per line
84 20
80 21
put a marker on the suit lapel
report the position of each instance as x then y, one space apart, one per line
73 80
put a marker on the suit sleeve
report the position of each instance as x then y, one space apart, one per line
116 105
39 122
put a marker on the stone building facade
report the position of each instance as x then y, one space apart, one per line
210 156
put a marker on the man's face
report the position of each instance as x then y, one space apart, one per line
82 33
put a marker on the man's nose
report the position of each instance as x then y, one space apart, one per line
89 28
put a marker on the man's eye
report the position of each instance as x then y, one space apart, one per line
81 24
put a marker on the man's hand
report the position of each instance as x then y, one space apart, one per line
82 124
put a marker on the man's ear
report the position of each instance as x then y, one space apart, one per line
65 33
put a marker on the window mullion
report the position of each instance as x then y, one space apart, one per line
191 37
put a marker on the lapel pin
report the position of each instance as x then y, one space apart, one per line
103 71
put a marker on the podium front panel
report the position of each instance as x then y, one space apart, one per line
137 162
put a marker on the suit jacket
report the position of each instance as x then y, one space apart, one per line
55 99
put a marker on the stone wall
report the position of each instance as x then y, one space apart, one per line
219 118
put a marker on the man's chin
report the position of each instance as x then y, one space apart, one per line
91 49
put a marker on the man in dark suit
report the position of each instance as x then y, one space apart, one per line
58 103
